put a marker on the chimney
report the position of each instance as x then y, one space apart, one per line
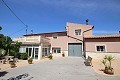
87 21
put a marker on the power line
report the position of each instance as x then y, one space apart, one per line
16 17
17 31
13 13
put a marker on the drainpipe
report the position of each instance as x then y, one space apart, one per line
84 47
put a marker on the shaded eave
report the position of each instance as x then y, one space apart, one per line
34 43
48 34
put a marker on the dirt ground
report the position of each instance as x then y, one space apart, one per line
20 63
97 66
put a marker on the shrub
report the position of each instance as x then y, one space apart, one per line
11 53
107 63
12 64
30 60
24 56
18 55
63 54
50 56
1 54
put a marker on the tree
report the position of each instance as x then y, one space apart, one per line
0 28
6 44
16 46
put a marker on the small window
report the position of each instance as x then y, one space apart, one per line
100 48
56 50
54 36
78 32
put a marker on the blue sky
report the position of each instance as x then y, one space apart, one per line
52 15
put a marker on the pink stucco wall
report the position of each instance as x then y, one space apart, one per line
111 44
62 41
71 27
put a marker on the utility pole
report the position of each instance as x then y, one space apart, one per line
26 29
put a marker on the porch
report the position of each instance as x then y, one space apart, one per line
36 47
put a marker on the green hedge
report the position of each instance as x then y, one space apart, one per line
23 56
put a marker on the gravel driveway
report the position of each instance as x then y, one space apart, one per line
70 68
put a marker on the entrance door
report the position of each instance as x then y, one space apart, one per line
32 52
45 51
75 49
36 53
29 51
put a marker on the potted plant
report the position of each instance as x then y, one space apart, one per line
12 64
50 56
63 54
30 60
107 63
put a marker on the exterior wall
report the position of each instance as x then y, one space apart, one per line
37 39
62 42
98 55
28 39
112 47
111 44
71 27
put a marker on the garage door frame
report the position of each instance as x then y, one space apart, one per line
74 49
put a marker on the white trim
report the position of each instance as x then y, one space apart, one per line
80 32
100 45
56 48
56 35
75 42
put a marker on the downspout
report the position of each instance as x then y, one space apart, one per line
84 47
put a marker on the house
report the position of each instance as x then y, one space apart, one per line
77 40
99 46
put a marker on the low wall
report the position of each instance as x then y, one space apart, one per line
101 55
57 55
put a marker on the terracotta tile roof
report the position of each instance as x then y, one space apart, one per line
105 36
64 33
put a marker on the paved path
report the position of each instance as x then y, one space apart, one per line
59 69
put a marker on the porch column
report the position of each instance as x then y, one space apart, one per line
40 52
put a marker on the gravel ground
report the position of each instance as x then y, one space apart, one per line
97 66
70 68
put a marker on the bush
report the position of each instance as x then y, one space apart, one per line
11 53
24 56
50 56
17 55
1 55
30 60
107 63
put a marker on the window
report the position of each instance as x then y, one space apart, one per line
100 48
54 36
78 32
56 50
